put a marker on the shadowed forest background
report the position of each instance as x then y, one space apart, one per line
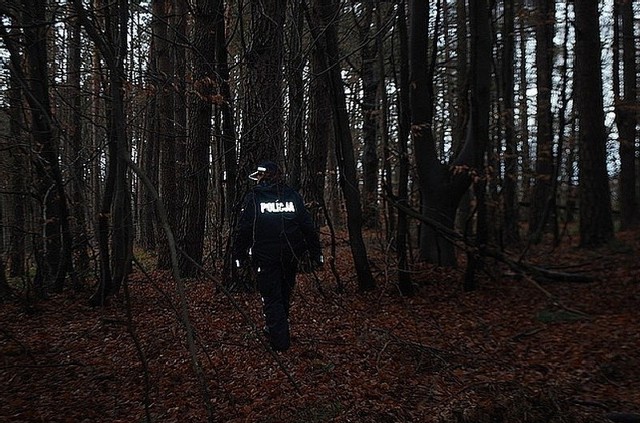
472 168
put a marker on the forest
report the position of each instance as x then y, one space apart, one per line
472 169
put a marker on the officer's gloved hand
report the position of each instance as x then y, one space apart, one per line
241 262
317 262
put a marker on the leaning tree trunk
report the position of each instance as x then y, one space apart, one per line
344 146
596 225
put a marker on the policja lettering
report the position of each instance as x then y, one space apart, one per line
277 207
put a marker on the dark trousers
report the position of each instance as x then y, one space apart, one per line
275 283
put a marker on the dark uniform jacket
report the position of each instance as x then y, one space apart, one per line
275 225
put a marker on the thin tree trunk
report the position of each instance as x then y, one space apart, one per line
115 232
228 126
344 148
295 67
78 185
627 118
511 228
542 202
370 82
165 111
17 178
179 38
404 104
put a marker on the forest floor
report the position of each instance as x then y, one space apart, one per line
514 350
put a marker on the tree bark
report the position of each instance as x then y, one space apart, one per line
511 228
200 101
344 147
17 178
263 122
370 82
542 200
56 241
627 119
115 226
440 190
78 159
295 127
165 97
596 226
404 104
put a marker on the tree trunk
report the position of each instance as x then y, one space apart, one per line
263 120
5 289
511 228
542 201
165 97
320 123
192 225
404 105
17 182
370 82
228 127
596 226
295 67
179 39
627 119
115 226
480 20
78 159
53 267
440 191
344 147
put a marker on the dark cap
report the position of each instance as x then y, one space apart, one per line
266 168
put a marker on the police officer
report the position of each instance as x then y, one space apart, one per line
275 230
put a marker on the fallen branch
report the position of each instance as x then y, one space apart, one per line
518 266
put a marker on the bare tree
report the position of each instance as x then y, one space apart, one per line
115 232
